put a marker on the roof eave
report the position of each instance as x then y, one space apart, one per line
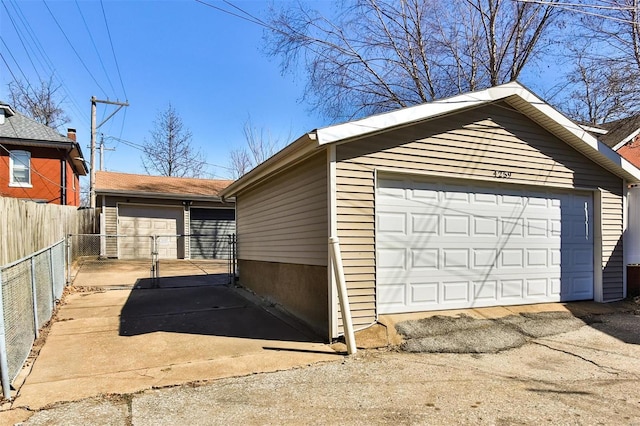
73 149
292 153
162 195
574 135
513 93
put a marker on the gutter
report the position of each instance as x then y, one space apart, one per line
124 193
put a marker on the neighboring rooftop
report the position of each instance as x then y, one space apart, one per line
145 185
620 130
18 126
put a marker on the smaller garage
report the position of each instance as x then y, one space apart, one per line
138 224
137 208
210 230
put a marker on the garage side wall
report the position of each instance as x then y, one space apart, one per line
282 234
476 144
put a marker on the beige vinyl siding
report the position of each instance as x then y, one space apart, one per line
356 230
284 219
472 144
612 250
111 228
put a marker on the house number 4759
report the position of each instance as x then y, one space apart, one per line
502 174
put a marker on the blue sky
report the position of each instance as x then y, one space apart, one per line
208 64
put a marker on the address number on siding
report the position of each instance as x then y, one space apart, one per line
501 174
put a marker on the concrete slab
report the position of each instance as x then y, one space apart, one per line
113 273
124 341
577 309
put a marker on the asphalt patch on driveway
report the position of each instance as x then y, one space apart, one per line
464 334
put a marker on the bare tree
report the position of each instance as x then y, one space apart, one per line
604 81
39 102
377 55
261 145
599 91
170 151
239 162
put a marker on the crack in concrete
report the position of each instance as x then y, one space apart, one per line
608 370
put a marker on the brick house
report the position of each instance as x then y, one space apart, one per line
623 136
36 162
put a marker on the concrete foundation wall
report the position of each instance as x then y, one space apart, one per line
301 289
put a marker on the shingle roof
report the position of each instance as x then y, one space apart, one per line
126 183
18 129
619 130
18 126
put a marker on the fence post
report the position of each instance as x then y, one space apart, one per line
230 258
34 294
103 238
234 239
155 262
68 258
53 279
4 363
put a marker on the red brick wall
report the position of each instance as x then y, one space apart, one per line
631 152
46 177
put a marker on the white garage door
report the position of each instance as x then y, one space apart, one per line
446 246
136 225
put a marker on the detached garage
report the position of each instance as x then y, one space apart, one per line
484 199
187 216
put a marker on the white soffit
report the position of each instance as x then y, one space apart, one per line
516 95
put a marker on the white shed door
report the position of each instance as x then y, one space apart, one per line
447 246
136 225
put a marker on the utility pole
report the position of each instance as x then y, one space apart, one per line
102 150
94 128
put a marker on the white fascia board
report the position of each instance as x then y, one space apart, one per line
626 140
594 129
577 134
624 168
405 116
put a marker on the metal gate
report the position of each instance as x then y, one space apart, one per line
156 256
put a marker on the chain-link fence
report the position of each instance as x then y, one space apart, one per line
213 254
29 288
98 251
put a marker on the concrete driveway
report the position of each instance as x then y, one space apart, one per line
587 376
116 334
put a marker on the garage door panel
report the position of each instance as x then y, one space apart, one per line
485 290
424 259
210 229
138 223
484 247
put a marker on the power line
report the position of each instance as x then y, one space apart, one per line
95 48
15 27
48 64
141 148
106 24
580 8
73 48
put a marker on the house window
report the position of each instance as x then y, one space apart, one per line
20 168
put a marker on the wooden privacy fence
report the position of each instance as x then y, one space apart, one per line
27 227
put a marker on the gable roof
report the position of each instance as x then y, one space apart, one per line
21 130
514 94
145 186
619 132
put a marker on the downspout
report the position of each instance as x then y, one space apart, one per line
63 183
